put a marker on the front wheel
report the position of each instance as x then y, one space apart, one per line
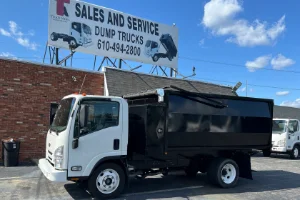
223 172
107 181
294 153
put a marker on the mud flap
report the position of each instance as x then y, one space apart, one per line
244 162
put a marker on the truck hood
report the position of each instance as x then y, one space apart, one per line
52 143
277 137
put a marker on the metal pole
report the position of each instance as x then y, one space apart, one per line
95 59
56 56
120 63
45 52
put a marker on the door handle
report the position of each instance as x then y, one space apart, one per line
116 144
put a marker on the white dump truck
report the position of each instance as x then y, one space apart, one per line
285 137
102 140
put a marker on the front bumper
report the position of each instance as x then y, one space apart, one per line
279 149
51 173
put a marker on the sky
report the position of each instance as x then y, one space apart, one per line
255 42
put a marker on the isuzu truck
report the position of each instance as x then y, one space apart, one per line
285 138
103 140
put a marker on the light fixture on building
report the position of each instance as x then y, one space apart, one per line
237 86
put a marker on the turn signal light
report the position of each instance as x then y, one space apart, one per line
84 94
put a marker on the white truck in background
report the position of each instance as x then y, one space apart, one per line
285 137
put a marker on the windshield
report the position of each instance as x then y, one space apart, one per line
61 118
279 126
148 43
87 29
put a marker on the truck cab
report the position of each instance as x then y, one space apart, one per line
74 152
81 33
286 137
151 50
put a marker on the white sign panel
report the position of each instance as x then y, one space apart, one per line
101 31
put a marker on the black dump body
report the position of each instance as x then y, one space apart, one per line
169 45
187 124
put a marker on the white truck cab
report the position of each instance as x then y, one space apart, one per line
286 137
71 152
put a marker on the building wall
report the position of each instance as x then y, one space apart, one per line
26 92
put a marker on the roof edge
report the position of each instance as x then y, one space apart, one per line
204 82
49 65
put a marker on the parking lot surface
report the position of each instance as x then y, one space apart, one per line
277 177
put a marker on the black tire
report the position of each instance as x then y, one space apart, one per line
155 58
73 43
294 154
53 37
216 172
267 153
92 184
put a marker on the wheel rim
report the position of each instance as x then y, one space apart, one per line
296 152
228 173
108 181
73 43
155 58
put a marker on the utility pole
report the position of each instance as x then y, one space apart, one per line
246 88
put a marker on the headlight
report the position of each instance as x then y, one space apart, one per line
281 143
59 157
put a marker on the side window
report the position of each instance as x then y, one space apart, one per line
77 27
154 45
99 116
294 124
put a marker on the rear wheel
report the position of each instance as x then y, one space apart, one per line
223 172
155 58
73 43
53 37
107 181
267 153
295 152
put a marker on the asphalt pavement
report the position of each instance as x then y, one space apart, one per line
277 177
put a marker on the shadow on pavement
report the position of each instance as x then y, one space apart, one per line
154 187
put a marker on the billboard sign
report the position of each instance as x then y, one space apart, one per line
97 30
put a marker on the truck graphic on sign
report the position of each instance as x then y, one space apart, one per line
152 48
80 35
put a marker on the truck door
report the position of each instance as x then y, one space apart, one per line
292 133
76 32
96 134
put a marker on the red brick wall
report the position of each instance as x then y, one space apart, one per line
26 91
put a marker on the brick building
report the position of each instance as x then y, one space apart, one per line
28 89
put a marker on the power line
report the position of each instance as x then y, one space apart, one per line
194 59
254 85
209 79
236 65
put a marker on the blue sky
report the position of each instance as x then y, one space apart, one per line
226 40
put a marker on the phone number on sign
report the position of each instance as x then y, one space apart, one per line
117 47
